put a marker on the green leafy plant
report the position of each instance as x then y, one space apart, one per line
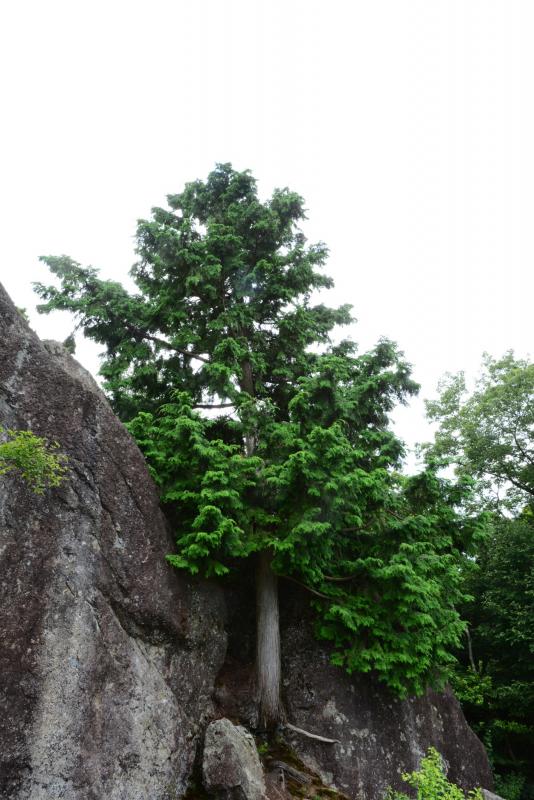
263 748
489 433
431 783
510 786
37 461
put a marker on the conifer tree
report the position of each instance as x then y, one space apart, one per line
269 442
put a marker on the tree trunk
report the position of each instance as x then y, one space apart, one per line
268 663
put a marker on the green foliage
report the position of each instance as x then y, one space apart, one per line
23 313
471 686
37 461
500 616
70 344
489 434
430 782
263 434
510 786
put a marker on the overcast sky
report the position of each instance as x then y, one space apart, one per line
407 125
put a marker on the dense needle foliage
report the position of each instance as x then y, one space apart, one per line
264 435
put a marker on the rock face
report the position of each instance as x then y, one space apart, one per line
379 737
112 665
108 657
231 766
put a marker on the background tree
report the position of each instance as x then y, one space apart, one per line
269 441
490 434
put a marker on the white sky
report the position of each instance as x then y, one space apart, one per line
407 125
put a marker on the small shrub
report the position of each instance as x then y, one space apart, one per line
35 459
510 786
431 782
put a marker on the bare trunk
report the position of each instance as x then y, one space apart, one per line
268 664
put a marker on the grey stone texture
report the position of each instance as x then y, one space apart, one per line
231 766
379 736
108 656
490 795
112 664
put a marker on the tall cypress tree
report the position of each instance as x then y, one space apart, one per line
269 442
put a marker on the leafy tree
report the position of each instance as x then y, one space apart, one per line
496 686
270 442
489 433
37 461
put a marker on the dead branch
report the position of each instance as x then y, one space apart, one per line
311 735
296 774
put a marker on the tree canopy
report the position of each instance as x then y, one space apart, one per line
489 433
267 434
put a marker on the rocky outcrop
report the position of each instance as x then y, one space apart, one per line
112 665
108 657
231 766
379 736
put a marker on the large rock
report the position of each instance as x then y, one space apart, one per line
107 657
379 736
231 766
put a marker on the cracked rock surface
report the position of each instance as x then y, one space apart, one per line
108 657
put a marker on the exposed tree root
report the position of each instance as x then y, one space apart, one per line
311 735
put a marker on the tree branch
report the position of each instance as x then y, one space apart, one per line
296 774
311 735
163 343
523 452
299 583
517 484
214 405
